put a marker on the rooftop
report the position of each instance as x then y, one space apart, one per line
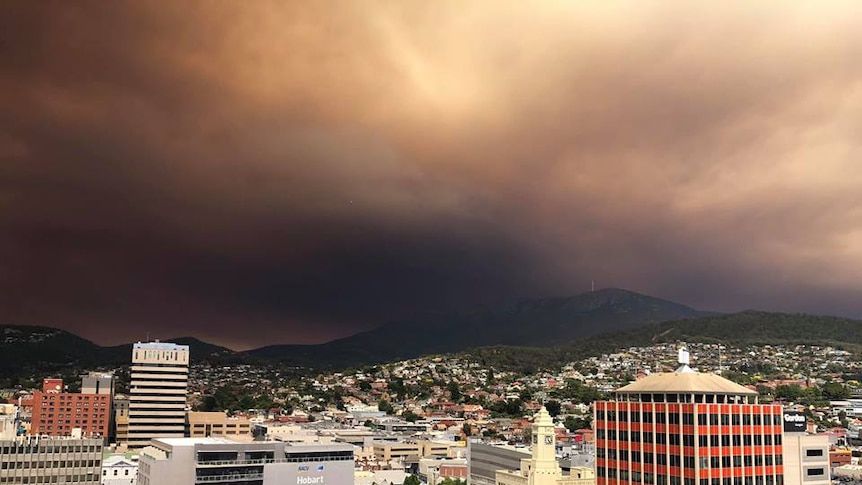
160 346
685 381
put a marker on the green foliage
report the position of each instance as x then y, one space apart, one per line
410 416
578 392
510 408
573 423
235 398
412 480
385 406
834 391
454 391
553 408
452 481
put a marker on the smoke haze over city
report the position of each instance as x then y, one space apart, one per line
288 172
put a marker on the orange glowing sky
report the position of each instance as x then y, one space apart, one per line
259 172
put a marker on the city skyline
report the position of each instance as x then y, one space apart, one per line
284 173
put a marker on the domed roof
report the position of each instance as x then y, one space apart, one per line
685 381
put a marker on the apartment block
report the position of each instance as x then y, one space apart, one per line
58 413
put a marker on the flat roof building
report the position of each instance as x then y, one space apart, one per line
183 461
202 424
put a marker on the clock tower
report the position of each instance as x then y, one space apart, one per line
544 469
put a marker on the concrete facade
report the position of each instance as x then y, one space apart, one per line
36 459
183 461
157 393
806 459
203 424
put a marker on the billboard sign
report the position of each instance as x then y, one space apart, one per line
794 422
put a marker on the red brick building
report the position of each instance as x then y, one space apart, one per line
687 428
56 413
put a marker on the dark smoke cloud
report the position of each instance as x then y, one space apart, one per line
274 172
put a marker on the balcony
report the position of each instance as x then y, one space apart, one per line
229 477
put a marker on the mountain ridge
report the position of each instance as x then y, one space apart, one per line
539 331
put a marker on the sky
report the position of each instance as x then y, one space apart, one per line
253 172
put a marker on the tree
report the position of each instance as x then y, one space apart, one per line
553 407
452 481
834 391
572 423
454 391
410 416
412 480
790 392
467 429
384 406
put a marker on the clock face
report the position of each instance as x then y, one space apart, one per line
549 439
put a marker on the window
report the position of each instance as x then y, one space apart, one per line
713 419
815 472
701 419
814 452
702 440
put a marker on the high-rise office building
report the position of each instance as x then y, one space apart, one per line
688 428
157 392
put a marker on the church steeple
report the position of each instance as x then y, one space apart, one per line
544 469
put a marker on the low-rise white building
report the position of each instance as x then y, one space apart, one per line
182 461
119 470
